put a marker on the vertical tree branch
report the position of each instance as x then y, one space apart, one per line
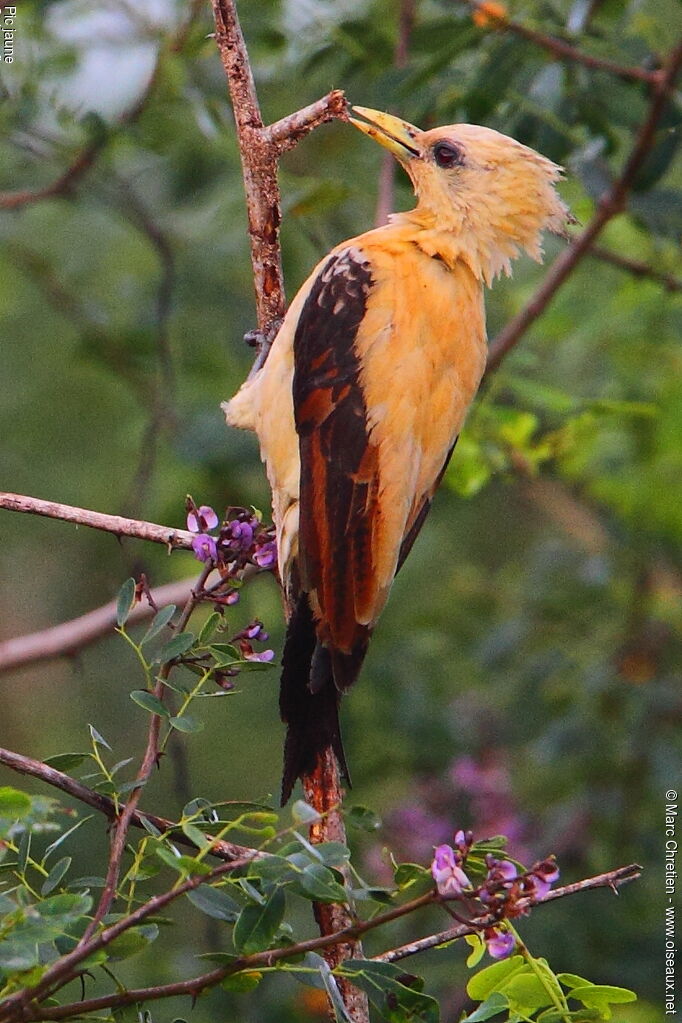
259 167
260 148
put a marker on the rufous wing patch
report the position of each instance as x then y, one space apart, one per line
339 464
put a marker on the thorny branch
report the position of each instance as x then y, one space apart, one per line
610 204
65 783
173 539
23 1005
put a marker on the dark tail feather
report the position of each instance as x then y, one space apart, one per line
312 718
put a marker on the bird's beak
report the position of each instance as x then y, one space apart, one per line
397 136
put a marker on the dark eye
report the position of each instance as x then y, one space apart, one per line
447 154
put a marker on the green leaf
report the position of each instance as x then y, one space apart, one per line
214 902
413 875
492 1006
570 980
15 957
143 698
493 977
601 996
527 993
478 949
195 835
362 818
66 761
391 990
225 654
333 854
175 647
242 982
125 601
55 875
24 850
159 622
256 926
13 803
209 627
318 882
185 723
183 864
303 813
272 868
131 942
97 738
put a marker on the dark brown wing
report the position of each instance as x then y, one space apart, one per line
339 465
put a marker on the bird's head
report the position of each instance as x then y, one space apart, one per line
495 195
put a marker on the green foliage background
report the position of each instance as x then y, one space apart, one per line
536 627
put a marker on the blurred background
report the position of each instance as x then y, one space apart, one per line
525 676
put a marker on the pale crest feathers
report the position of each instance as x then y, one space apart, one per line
497 202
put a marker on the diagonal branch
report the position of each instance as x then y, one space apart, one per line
65 783
174 539
611 879
637 268
611 203
491 14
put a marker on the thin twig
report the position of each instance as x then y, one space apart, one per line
20 1006
57 779
611 203
559 48
288 131
611 879
637 268
174 539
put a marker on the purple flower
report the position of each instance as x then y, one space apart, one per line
242 534
266 554
541 878
447 873
500 944
265 656
204 547
201 519
256 631
500 871
232 597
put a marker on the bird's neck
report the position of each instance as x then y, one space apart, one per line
482 248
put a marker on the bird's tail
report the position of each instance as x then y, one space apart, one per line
309 700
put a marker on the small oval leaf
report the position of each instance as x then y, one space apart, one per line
125 601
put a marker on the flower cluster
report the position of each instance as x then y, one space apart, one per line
242 540
503 894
